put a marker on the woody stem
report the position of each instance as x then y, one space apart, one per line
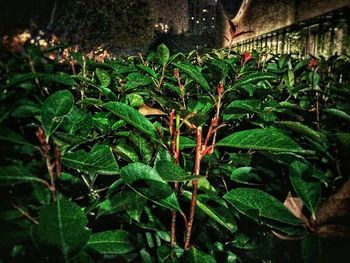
196 172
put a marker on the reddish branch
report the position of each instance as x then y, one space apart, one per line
51 164
25 214
196 171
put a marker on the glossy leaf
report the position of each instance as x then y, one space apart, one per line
163 54
249 105
245 175
194 73
221 69
307 188
301 129
269 139
103 77
260 205
54 109
26 109
60 78
127 200
77 122
116 242
17 174
196 256
125 151
338 113
221 216
135 100
13 137
61 229
255 77
239 108
148 70
186 142
171 172
142 145
99 160
289 79
146 181
63 139
136 80
133 117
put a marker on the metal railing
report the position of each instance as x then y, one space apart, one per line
326 35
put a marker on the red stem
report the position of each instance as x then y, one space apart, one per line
45 152
196 172
175 151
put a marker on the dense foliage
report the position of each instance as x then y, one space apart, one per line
123 25
216 157
118 24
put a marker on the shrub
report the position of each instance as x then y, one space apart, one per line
216 157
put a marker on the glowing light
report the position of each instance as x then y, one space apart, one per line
162 27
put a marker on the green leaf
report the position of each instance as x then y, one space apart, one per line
12 137
222 216
268 139
60 78
245 175
61 229
301 64
16 174
143 146
135 100
26 109
115 242
135 80
289 79
103 77
133 117
249 105
171 172
221 69
186 142
41 194
54 109
127 200
194 73
196 256
301 129
260 205
239 108
83 257
255 77
77 122
338 113
64 139
146 181
163 54
307 188
148 70
125 151
99 160
314 78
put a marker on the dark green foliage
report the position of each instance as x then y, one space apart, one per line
89 160
121 24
